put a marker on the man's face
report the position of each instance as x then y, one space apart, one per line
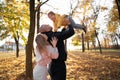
45 28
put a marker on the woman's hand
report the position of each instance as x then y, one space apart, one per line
54 41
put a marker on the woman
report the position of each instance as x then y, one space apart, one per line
44 54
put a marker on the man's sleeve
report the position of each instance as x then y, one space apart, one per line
66 33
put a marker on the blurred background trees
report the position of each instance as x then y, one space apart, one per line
20 19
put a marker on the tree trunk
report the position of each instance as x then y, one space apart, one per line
105 45
17 48
93 43
117 45
38 13
29 45
17 44
98 42
118 5
83 46
88 45
38 18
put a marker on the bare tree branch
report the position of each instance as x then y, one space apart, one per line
39 5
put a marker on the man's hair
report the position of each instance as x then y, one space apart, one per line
51 12
44 28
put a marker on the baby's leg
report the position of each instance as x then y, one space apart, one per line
72 22
78 26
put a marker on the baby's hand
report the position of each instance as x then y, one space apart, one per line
54 41
55 29
66 22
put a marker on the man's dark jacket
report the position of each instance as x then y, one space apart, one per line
61 36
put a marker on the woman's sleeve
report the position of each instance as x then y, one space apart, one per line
53 52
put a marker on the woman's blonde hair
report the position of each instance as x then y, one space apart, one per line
41 43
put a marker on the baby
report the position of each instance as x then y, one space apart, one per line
63 20
58 20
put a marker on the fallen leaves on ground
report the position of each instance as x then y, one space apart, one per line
92 66
80 66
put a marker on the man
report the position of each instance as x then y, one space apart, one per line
57 68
